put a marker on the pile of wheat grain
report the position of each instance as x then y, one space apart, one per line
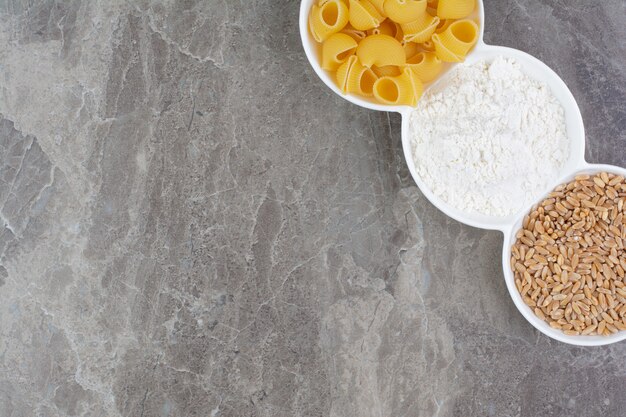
569 259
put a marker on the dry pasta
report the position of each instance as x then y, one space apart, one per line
410 49
361 80
455 9
420 29
354 77
328 18
404 11
336 50
387 70
416 83
387 27
357 35
379 5
342 73
428 46
404 89
426 65
453 44
388 49
363 15
380 50
443 25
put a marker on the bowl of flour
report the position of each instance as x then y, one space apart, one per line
492 136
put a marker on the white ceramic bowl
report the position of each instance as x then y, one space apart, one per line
509 240
537 70
313 53
575 164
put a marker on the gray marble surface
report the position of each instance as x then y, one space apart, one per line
195 226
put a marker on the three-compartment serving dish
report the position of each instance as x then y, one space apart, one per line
575 165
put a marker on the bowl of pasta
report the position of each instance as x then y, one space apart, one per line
384 54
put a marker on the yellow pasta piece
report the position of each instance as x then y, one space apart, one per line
455 9
443 52
327 19
399 33
336 50
363 15
357 35
410 49
404 11
343 72
388 90
387 27
426 65
314 22
380 50
455 42
361 80
387 71
394 33
443 25
427 46
416 83
421 29
404 89
379 5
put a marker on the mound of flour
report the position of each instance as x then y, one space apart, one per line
491 140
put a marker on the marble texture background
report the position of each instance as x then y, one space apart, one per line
193 225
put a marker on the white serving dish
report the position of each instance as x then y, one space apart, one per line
576 163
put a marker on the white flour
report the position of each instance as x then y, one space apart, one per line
491 140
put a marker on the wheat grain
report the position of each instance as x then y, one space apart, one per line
569 260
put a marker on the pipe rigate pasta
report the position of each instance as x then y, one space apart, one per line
388 48
404 89
443 25
431 11
404 11
387 70
387 90
357 35
420 29
426 65
379 5
336 50
380 50
342 73
361 80
399 33
410 49
455 42
387 27
327 19
427 46
418 86
455 9
443 52
363 15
